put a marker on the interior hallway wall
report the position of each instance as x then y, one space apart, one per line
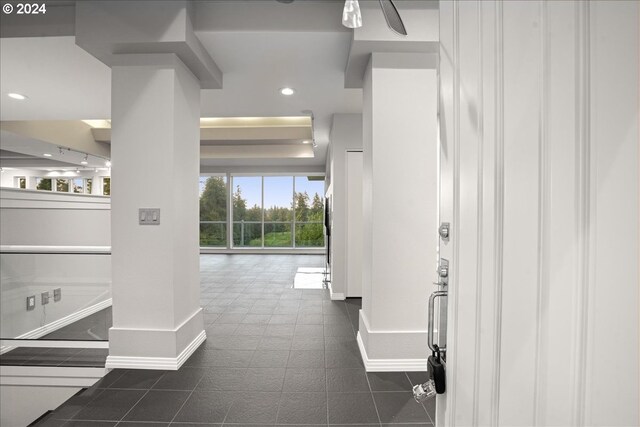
346 134
539 129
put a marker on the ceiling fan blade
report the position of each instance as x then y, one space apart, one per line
394 21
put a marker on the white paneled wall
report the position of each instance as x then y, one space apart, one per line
539 154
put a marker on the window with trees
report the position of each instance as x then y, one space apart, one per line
266 211
213 211
106 186
78 185
43 184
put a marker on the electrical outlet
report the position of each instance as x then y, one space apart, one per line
31 303
45 298
57 294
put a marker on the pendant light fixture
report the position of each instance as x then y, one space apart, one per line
351 16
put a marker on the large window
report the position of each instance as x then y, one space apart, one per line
247 211
309 208
278 212
213 211
43 184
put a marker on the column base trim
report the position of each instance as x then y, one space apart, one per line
163 363
336 296
390 365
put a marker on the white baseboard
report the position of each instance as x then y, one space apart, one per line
336 296
390 365
163 363
60 323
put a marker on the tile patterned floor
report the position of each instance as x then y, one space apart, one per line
274 356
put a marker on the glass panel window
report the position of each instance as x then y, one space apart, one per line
78 185
20 182
247 211
213 211
309 212
106 186
88 185
43 184
278 211
62 185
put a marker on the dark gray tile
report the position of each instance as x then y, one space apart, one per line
418 377
141 424
184 379
303 408
283 319
306 359
305 379
110 378
221 358
270 359
221 379
399 407
338 330
280 330
389 381
48 421
261 319
350 408
310 319
220 329
275 343
85 423
347 380
343 359
238 342
137 378
158 405
341 343
175 424
229 318
301 342
263 379
110 405
254 408
251 329
309 330
206 407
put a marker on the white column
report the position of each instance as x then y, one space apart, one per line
96 184
155 163
400 212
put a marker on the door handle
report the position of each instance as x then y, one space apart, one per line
432 300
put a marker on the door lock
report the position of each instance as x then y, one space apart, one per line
443 272
443 230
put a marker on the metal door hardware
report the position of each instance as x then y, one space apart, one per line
444 231
432 299
443 272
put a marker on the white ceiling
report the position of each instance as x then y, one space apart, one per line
63 82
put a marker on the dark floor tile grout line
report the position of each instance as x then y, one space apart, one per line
135 404
187 399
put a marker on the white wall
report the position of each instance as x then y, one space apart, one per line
400 208
539 130
346 134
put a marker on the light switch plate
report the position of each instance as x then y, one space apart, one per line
45 298
57 294
31 302
149 216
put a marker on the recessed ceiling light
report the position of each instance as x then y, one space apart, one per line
287 91
107 164
17 96
306 141
84 162
47 155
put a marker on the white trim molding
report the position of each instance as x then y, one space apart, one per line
389 365
164 363
336 296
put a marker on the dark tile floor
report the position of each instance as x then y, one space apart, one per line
273 356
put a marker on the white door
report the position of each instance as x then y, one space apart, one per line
354 224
